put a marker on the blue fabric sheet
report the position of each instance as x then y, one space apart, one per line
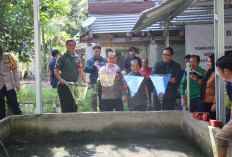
160 82
133 83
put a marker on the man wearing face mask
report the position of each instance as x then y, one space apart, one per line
92 66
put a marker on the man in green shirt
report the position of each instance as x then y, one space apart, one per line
68 69
195 85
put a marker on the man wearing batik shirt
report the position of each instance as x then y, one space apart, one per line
68 69
112 92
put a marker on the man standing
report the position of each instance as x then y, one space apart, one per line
112 95
141 100
92 66
195 85
145 69
147 72
8 69
93 63
167 66
52 63
127 66
68 69
224 67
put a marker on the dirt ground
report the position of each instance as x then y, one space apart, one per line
31 83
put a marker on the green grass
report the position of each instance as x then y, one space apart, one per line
86 104
27 100
50 100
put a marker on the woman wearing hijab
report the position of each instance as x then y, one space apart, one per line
207 96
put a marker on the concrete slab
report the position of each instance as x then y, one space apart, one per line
110 125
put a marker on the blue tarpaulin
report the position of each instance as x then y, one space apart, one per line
160 82
133 83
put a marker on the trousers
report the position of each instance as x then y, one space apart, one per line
67 101
12 101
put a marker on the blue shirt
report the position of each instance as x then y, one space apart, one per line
92 69
53 79
127 63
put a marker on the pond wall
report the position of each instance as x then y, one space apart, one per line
72 126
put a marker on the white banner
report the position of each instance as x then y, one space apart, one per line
199 40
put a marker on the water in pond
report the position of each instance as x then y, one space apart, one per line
138 147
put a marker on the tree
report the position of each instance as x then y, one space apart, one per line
59 19
16 28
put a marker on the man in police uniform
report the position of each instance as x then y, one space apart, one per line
8 70
68 69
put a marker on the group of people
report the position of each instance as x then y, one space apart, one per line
202 83
67 67
202 86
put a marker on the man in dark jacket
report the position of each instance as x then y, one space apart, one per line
167 66
92 66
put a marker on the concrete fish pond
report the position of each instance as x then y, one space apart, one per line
158 134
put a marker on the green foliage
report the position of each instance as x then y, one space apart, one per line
50 100
27 100
227 101
59 19
125 107
16 29
26 95
86 104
